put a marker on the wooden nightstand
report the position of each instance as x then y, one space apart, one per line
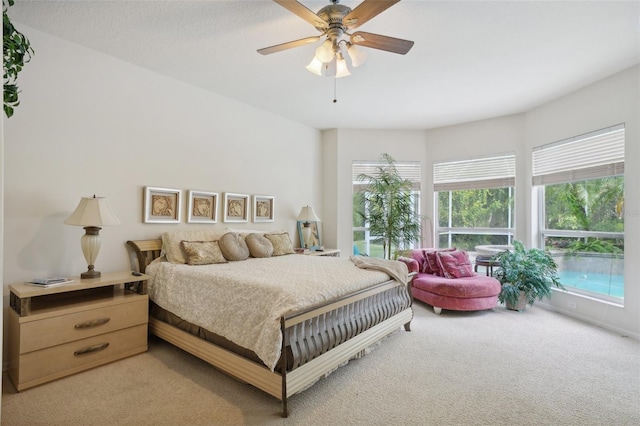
326 252
58 331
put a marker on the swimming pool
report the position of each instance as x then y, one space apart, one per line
612 285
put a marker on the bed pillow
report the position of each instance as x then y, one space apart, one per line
281 243
171 242
431 257
259 245
233 247
455 264
202 252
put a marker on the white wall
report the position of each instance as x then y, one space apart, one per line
1 232
91 124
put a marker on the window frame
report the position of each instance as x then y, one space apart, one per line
494 172
587 163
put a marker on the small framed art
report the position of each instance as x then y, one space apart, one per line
162 205
236 207
203 207
263 208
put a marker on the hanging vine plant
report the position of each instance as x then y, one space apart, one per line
17 52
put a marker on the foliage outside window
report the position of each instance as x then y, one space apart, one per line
385 207
581 197
475 202
469 218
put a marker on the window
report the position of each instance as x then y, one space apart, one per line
475 202
364 242
581 200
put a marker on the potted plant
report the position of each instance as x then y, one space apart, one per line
390 207
525 275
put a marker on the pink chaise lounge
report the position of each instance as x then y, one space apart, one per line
470 293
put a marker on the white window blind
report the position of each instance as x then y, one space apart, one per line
590 156
481 173
408 170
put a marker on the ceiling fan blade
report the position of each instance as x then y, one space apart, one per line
289 45
299 9
377 41
365 11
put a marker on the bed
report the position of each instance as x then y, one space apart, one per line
296 326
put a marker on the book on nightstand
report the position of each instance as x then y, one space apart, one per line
49 282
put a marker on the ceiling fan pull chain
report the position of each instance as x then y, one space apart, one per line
335 96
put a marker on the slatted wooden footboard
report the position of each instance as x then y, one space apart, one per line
318 340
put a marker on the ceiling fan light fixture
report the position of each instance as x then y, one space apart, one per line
357 55
341 67
315 66
330 69
324 52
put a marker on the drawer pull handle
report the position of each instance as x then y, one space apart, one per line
93 323
90 349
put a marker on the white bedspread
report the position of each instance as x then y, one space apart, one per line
248 297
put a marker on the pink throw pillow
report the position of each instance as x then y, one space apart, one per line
455 264
425 268
431 259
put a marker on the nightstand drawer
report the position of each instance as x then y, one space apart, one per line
44 333
58 361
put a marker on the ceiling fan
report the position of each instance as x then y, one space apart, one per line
335 23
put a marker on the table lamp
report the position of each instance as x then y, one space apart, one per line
307 215
92 213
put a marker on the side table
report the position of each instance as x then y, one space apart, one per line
487 262
58 331
325 252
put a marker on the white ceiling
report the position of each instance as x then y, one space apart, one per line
471 59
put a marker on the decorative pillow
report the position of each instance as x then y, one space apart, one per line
202 252
259 245
233 247
455 264
431 258
281 243
425 268
171 242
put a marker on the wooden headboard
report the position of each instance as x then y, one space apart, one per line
146 251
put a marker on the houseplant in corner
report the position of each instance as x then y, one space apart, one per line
525 275
390 207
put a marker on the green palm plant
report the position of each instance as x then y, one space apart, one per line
528 273
390 208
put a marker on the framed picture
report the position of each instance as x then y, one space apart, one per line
263 208
203 207
162 205
314 235
236 207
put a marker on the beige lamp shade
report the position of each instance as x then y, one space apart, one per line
92 213
308 215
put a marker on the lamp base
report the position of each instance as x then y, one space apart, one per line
306 234
91 273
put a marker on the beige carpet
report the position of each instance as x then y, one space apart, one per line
485 368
